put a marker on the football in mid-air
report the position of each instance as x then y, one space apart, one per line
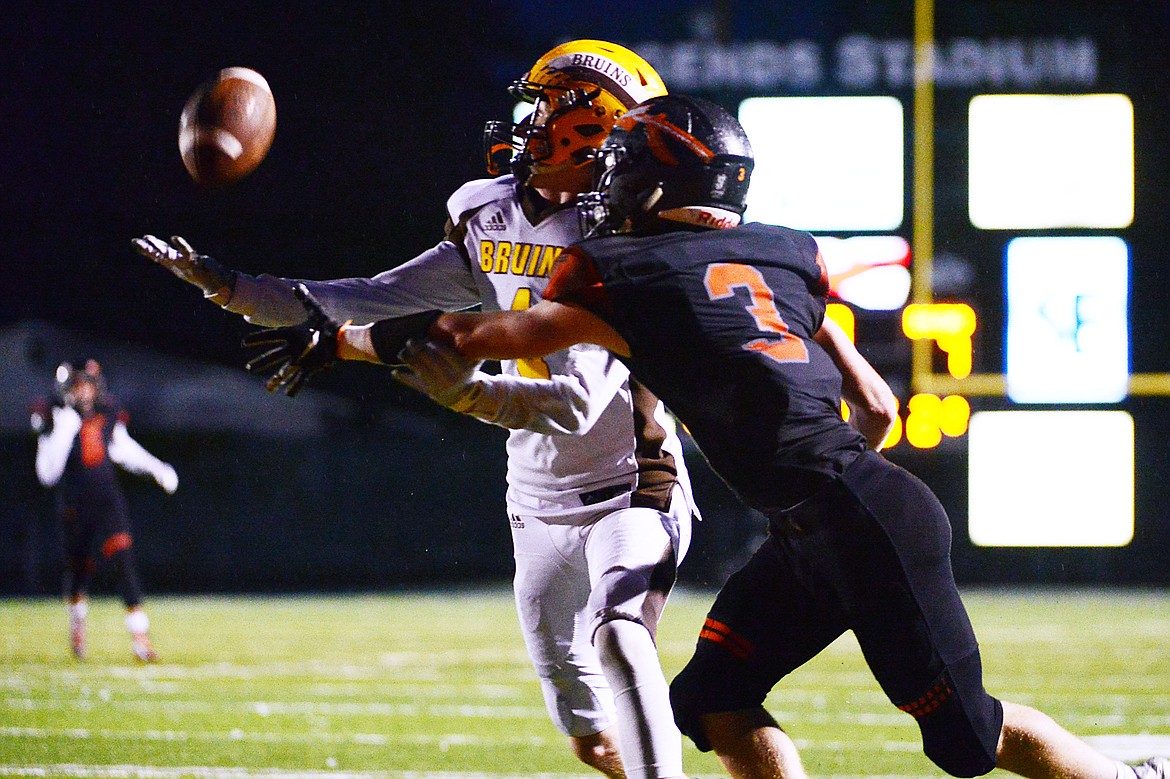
227 126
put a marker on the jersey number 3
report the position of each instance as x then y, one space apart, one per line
721 281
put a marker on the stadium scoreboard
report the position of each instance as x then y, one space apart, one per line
974 201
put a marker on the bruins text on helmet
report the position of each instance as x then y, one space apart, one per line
672 161
580 88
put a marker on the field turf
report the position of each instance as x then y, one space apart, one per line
436 685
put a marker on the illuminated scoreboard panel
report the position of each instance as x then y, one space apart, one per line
1050 161
858 186
1066 297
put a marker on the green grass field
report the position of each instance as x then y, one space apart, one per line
437 686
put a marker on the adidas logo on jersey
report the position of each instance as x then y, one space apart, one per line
495 222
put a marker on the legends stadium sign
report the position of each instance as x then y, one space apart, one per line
862 62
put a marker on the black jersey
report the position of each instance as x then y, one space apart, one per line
89 472
720 327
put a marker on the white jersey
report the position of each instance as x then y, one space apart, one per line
580 438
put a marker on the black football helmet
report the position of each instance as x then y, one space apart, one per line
671 163
67 377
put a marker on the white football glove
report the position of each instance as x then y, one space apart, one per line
66 421
182 260
167 478
439 372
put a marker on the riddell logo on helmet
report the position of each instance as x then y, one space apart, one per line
620 76
703 216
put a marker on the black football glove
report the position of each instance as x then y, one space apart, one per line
298 353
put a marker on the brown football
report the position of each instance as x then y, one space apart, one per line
227 126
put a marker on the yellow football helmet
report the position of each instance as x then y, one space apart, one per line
579 89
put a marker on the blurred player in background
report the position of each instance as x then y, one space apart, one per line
81 436
598 494
728 327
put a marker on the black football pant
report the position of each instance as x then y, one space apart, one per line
869 553
98 530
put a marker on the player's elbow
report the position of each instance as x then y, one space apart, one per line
459 332
876 418
886 407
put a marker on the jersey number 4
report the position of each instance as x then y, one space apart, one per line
535 368
721 281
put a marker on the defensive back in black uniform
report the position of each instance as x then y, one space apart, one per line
726 326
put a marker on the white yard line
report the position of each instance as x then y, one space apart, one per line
1133 748
293 708
442 740
215 772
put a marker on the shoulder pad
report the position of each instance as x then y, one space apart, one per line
478 193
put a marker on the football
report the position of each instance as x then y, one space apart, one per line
227 127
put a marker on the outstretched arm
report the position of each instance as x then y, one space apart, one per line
543 329
871 401
436 279
132 456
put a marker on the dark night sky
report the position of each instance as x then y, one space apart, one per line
380 107
367 148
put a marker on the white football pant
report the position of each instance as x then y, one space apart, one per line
571 578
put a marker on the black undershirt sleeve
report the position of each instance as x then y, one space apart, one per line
389 336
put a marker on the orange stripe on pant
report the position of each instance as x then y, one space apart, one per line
721 634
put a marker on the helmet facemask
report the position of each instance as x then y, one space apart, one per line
620 193
672 163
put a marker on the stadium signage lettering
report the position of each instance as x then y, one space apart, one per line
864 62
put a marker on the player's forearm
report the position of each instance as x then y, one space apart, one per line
541 330
568 404
265 300
497 335
382 341
354 343
874 406
127 453
437 279
53 447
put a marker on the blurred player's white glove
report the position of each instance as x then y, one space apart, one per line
66 421
441 373
167 478
182 260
